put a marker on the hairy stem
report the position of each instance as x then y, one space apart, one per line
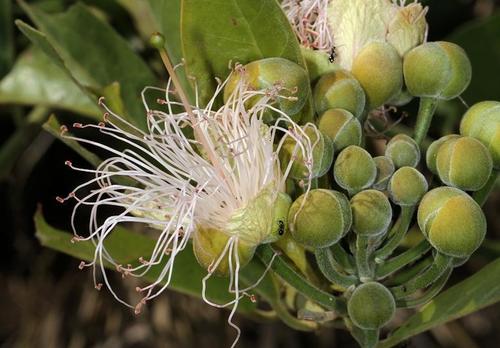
403 259
425 113
265 253
344 259
441 264
432 291
363 258
396 235
331 269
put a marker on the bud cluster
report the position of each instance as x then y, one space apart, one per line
353 206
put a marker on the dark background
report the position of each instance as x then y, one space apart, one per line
46 302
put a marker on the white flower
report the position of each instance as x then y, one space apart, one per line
345 27
227 178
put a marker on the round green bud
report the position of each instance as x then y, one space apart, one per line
464 162
354 169
451 221
407 186
482 121
269 72
320 218
385 169
403 151
342 127
209 244
371 213
379 70
322 155
432 151
339 90
439 70
371 306
317 62
157 40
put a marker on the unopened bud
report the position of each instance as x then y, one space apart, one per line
452 221
321 220
342 127
339 89
482 121
379 70
439 70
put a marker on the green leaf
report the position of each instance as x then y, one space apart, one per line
36 80
216 32
484 54
127 247
167 15
93 53
478 291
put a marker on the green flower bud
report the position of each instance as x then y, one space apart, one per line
321 220
371 306
385 169
451 221
464 162
432 151
269 72
371 213
208 246
342 127
407 186
322 155
403 151
157 40
354 169
482 121
439 70
339 90
318 63
379 70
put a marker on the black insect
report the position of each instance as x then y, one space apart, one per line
281 227
332 55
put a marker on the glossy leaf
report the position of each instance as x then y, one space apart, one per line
93 53
217 32
478 291
167 15
127 246
36 80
